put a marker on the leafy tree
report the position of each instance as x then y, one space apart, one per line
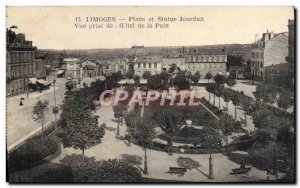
219 90
246 103
181 82
227 98
263 118
208 76
136 80
266 93
129 75
156 82
169 121
211 138
210 89
285 101
263 156
40 110
228 126
234 61
119 113
231 81
147 75
81 129
195 78
235 98
165 77
97 87
286 137
117 76
144 133
220 79
266 135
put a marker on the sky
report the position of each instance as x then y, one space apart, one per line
54 27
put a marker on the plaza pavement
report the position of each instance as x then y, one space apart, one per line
248 89
158 161
19 122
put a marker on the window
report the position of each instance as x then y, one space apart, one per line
139 65
194 58
155 65
149 65
144 65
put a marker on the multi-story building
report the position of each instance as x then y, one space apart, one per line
291 56
205 60
150 63
72 68
118 65
20 62
40 68
291 41
271 49
89 69
277 74
169 61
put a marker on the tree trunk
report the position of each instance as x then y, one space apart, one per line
245 117
235 112
145 162
209 97
83 151
42 131
219 102
211 173
214 99
227 107
170 145
118 127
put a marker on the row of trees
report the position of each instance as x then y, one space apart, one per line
182 80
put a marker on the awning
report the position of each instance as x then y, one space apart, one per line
43 82
32 80
60 72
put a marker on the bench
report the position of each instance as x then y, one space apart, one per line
177 170
241 170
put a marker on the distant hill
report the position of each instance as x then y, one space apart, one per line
104 54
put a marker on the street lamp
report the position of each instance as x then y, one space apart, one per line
55 108
211 170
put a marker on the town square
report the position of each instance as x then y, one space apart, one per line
136 111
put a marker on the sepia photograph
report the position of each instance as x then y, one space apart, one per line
150 94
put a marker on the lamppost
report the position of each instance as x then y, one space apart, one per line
211 170
27 93
55 108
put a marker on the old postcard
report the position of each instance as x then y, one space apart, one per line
150 94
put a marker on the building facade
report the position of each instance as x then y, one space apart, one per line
291 56
169 61
205 60
40 67
271 49
20 63
150 63
277 74
72 68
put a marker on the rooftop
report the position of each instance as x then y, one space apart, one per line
148 59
